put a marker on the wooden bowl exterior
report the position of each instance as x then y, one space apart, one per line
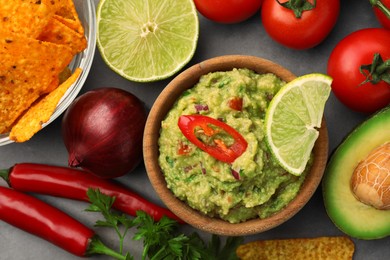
163 104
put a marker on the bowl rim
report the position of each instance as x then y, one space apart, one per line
163 104
83 60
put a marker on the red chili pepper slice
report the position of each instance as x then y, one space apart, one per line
194 126
45 221
74 183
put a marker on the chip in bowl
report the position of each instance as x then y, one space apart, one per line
31 121
29 69
38 41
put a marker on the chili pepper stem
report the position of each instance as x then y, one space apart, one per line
381 6
96 246
5 175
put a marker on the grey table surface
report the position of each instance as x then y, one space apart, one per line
248 38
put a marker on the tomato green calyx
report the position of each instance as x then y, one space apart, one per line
378 4
377 71
298 6
213 136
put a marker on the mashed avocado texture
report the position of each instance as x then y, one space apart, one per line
254 185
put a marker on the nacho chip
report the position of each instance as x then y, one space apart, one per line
72 24
40 112
26 17
57 32
38 40
64 75
67 10
320 248
28 69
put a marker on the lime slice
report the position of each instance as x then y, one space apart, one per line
292 120
147 40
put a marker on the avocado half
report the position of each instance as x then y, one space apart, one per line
351 216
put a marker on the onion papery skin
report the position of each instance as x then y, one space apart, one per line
102 131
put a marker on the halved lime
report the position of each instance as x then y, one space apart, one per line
293 118
147 40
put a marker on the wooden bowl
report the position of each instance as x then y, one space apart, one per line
163 104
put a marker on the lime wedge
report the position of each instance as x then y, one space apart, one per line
292 120
147 40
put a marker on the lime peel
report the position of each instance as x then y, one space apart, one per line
293 118
147 40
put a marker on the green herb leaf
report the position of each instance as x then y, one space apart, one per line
102 203
99 201
228 252
160 239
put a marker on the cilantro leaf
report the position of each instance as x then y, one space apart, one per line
161 239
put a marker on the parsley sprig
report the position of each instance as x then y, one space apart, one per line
161 239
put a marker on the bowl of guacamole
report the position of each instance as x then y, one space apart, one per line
205 152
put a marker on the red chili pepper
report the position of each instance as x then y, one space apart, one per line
74 183
193 125
45 221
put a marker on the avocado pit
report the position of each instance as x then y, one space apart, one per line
370 181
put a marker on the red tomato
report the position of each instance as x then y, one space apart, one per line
382 11
299 33
228 11
235 103
356 49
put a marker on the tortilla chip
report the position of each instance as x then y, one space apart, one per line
64 75
74 25
38 40
57 32
40 112
25 17
61 7
67 10
320 248
28 69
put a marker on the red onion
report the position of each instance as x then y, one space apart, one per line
102 131
201 107
236 174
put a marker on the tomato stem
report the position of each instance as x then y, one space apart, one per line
377 71
298 6
378 4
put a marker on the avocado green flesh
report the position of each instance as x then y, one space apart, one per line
348 214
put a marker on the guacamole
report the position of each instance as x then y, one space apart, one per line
253 185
